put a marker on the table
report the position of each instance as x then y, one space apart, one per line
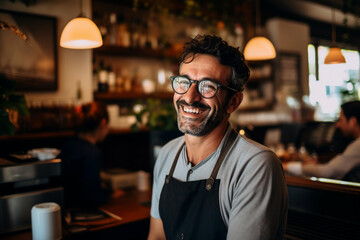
132 206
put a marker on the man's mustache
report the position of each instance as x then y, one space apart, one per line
193 104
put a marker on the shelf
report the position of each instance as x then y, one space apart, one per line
255 107
60 134
114 96
38 135
136 52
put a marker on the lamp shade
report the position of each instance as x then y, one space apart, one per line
81 33
334 56
259 48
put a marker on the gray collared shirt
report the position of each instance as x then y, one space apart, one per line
252 194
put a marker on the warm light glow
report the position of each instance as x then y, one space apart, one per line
259 48
334 56
328 180
81 33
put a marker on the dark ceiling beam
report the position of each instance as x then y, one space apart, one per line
352 6
319 31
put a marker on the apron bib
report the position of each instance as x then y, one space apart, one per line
190 210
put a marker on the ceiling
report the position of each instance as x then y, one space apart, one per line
318 15
352 5
320 10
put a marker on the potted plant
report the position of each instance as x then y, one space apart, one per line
11 103
161 120
155 115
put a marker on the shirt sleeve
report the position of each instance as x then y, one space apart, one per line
157 187
294 168
260 201
338 166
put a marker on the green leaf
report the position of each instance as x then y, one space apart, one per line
9 101
6 127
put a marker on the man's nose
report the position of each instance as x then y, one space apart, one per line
192 95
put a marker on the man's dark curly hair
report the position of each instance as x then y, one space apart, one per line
227 55
351 109
90 116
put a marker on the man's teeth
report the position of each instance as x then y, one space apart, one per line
192 110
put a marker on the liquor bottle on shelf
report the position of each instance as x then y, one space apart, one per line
127 81
123 35
102 78
113 30
136 81
119 82
111 79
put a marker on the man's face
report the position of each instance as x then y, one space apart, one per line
196 115
102 130
344 125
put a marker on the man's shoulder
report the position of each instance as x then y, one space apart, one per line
173 144
353 147
250 146
247 151
170 148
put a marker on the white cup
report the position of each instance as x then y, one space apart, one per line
46 221
143 181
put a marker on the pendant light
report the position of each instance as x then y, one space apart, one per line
81 33
334 56
259 47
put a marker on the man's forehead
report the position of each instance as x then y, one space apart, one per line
206 63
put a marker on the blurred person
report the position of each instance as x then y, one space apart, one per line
81 159
344 166
213 183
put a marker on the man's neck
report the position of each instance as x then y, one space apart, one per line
199 148
357 133
88 137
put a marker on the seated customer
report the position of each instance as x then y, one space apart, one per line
344 166
81 159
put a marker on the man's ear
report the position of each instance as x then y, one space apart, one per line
353 121
235 102
103 122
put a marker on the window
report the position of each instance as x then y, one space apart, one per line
332 84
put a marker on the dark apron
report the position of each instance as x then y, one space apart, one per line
190 210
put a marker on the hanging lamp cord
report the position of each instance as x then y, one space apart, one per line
257 17
81 9
333 37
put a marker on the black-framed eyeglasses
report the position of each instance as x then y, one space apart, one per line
207 88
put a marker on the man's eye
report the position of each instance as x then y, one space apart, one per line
208 86
182 81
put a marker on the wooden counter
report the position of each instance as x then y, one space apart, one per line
324 184
317 210
134 209
322 208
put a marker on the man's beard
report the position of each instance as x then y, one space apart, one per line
209 123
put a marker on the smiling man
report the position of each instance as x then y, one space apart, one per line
212 183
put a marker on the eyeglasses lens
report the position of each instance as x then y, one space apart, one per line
181 84
206 88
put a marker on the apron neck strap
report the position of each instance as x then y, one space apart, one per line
224 150
167 179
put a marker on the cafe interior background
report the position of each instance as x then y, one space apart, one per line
142 40
287 96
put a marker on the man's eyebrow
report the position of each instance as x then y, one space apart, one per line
204 78
184 75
